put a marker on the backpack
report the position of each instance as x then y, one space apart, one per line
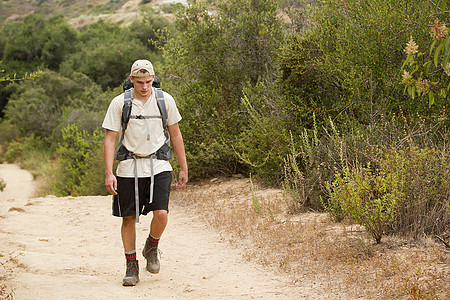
164 152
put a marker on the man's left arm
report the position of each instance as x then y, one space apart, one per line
178 146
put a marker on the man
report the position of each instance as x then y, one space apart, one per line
143 136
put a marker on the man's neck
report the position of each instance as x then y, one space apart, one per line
142 99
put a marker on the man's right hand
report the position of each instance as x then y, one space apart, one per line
111 184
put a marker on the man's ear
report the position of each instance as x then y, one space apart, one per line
131 79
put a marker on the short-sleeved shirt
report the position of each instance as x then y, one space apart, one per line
142 136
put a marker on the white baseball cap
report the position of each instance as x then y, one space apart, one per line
142 68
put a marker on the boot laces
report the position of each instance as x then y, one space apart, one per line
132 268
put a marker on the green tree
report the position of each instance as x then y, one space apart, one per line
36 107
105 53
148 30
341 66
36 42
207 65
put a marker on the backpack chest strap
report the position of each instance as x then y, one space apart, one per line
144 117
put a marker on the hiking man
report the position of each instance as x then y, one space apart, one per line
142 140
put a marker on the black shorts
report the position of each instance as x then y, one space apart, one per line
124 203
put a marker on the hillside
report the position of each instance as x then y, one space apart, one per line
82 12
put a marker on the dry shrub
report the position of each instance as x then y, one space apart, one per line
424 175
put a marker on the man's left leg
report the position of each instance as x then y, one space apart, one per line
150 251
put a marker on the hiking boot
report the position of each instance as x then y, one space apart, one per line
151 254
132 275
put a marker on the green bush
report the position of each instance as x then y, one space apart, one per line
80 170
265 141
2 184
105 53
367 197
30 153
207 134
92 181
338 91
347 64
9 132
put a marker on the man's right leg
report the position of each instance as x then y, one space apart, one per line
128 231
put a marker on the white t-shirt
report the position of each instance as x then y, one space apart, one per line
143 136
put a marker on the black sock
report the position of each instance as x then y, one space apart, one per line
130 255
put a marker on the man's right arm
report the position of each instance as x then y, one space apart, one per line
109 148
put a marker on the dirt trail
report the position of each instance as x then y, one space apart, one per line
70 248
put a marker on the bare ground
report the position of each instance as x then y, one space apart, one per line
226 238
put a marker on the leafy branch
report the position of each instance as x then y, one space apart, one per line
429 73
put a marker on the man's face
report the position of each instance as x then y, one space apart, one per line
142 85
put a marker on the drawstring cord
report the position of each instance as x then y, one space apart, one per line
136 182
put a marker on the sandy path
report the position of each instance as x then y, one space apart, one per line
19 186
70 248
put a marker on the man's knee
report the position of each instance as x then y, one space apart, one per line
129 220
160 215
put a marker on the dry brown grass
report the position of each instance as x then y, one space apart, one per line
313 249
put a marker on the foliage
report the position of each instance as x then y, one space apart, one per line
101 51
105 53
9 132
2 184
205 133
346 65
294 181
36 43
427 73
37 106
367 197
146 31
337 96
339 83
209 61
80 163
306 168
30 153
265 142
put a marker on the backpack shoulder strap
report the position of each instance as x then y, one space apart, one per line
126 112
162 109
126 109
